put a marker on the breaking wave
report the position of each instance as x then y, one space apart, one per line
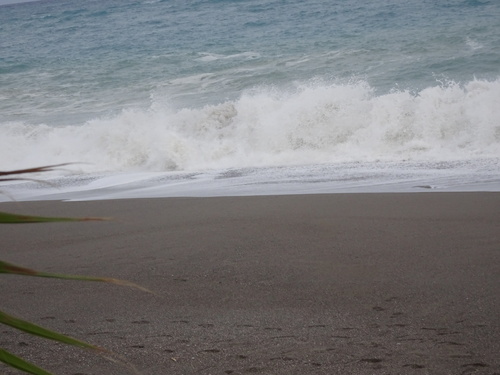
315 123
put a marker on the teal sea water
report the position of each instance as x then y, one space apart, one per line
276 96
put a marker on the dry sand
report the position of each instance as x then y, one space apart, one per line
315 284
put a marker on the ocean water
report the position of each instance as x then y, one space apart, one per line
239 97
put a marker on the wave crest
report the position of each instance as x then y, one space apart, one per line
316 123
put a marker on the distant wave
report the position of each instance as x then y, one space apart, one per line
9 2
316 123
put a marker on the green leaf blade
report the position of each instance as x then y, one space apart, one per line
13 269
8 218
37 330
20 364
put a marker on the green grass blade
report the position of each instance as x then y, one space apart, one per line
13 269
20 364
36 330
7 218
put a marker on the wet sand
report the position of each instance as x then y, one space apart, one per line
311 284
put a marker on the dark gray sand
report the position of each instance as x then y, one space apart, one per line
316 284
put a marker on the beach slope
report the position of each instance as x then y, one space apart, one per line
311 284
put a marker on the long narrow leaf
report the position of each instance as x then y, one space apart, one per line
36 330
8 218
46 168
13 269
19 363
24 179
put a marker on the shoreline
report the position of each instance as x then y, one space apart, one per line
476 175
396 283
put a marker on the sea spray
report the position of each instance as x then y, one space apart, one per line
312 123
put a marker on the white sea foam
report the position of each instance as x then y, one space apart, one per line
356 177
209 57
313 124
473 44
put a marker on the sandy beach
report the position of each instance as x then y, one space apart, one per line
310 284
